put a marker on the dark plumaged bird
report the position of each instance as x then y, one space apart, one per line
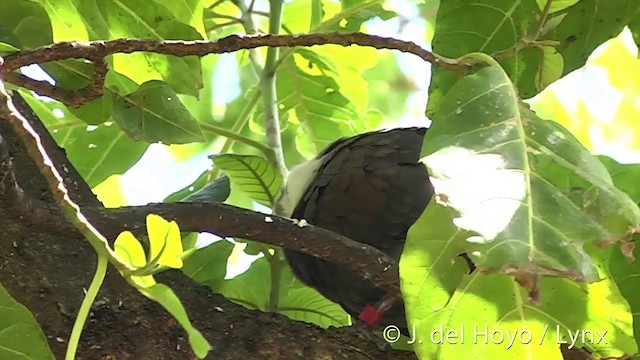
370 188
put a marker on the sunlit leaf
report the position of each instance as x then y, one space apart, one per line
551 67
588 24
129 250
20 334
627 275
485 26
165 241
66 22
504 171
556 5
151 20
251 174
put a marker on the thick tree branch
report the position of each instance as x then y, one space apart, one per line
36 150
230 221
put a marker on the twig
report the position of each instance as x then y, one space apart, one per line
531 39
73 98
269 94
231 43
233 135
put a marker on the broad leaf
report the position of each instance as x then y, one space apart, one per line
297 301
251 174
314 100
208 265
24 24
20 334
154 113
163 295
489 317
624 176
506 173
201 191
485 26
96 152
588 24
627 276
66 22
152 20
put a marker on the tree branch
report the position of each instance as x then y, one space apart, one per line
231 43
229 221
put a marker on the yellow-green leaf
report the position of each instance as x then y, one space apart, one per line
165 241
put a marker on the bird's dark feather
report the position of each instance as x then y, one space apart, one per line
370 188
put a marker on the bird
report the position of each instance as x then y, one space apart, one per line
370 188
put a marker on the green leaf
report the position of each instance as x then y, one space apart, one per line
504 171
627 275
20 334
163 295
154 113
496 306
66 22
6 49
252 174
430 270
297 301
216 191
588 24
484 26
208 266
625 176
314 101
150 20
96 152
316 14
165 241
188 12
129 250
25 24
359 11
550 69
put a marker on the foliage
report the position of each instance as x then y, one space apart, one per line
549 224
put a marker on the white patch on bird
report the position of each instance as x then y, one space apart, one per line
295 186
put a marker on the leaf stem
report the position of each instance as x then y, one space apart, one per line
275 264
236 136
237 127
85 307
